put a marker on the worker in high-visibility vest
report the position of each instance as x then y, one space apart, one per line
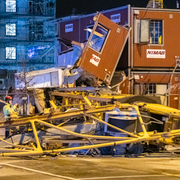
9 111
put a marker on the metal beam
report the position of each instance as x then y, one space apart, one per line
54 117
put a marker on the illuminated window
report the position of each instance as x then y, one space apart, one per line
116 18
156 32
98 38
88 31
150 88
10 29
10 5
10 52
150 31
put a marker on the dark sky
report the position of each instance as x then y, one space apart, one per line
65 7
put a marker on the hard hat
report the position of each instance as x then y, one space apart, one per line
8 98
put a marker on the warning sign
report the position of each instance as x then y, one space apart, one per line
95 60
154 53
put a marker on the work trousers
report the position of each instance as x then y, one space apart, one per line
7 132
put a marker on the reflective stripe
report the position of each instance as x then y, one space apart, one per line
8 110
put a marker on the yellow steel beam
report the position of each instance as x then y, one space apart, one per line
102 98
157 136
57 116
63 123
30 153
36 136
53 104
141 121
110 125
82 135
88 101
161 1
18 146
134 140
6 150
71 105
81 104
66 101
160 109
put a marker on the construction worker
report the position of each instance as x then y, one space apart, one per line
9 111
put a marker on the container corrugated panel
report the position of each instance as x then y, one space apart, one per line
163 79
123 87
106 60
152 78
174 101
71 34
86 22
174 97
170 40
123 12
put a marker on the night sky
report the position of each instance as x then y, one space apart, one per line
65 7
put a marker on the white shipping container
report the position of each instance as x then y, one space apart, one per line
53 77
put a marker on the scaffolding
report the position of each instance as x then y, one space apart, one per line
155 4
27 33
41 7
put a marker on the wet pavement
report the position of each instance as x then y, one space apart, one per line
2 132
89 168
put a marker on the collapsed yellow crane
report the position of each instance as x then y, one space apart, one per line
93 107
93 110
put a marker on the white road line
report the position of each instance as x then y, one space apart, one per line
115 177
41 172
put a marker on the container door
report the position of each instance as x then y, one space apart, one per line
104 48
54 78
161 90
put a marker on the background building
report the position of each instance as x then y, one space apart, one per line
26 34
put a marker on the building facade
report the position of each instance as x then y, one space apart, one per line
27 34
151 55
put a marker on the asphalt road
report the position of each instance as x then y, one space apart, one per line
88 168
2 132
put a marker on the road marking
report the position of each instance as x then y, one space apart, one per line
33 170
115 177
